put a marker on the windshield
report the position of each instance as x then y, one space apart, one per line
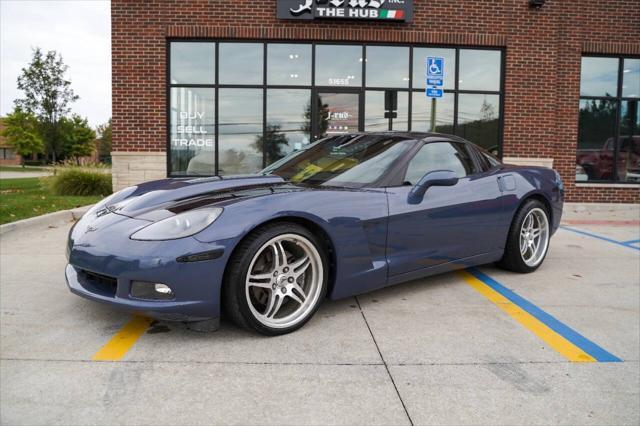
346 160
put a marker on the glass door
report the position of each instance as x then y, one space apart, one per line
336 112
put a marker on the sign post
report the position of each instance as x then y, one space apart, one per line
435 79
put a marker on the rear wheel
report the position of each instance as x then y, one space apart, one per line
277 279
528 239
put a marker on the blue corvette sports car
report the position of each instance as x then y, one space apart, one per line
346 215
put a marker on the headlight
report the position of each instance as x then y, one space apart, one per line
178 226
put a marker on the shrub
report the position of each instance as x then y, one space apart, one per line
74 180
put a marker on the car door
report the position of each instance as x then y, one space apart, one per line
451 222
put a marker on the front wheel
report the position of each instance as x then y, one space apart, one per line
277 279
528 239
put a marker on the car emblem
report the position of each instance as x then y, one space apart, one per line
91 228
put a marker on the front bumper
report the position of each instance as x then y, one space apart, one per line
103 263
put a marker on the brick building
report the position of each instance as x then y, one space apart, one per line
8 157
220 86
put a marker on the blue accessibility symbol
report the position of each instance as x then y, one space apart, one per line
435 67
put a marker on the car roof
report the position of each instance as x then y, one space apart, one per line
418 136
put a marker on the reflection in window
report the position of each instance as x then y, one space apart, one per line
240 63
439 156
599 76
478 120
631 78
338 65
192 131
629 151
289 64
288 123
479 70
193 63
421 113
420 66
596 129
375 113
387 66
240 128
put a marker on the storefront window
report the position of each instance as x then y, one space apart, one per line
338 65
608 135
288 123
387 66
193 63
629 151
289 64
599 77
479 70
240 63
192 133
478 120
375 120
240 131
631 78
270 98
421 111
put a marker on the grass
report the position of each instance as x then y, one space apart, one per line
28 197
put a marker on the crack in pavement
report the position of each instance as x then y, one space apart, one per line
384 362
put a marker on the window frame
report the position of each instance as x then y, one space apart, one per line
362 88
617 100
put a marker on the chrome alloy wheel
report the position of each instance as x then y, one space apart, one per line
284 281
534 237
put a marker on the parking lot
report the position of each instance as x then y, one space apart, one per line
559 346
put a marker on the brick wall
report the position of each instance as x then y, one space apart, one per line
540 115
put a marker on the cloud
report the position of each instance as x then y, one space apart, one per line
79 30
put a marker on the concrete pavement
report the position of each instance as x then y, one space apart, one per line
21 175
432 351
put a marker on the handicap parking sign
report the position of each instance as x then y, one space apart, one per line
433 92
435 67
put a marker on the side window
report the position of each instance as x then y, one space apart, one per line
439 156
487 161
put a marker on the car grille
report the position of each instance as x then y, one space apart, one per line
98 283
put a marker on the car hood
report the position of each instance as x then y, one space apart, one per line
157 200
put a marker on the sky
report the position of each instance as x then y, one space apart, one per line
80 30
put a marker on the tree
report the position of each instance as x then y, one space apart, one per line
104 140
271 144
487 111
21 131
47 94
77 137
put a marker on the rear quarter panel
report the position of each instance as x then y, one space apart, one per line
530 181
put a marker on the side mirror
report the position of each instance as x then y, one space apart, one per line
435 178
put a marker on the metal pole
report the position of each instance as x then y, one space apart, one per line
433 114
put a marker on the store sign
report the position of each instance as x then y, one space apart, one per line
386 10
190 131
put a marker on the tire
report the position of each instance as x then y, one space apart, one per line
524 252
269 287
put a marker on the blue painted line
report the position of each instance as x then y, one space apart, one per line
600 237
562 329
632 242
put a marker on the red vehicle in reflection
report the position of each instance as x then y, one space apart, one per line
597 164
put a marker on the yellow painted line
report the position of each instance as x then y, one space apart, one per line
553 339
123 340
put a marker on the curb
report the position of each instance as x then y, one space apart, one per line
600 207
46 220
